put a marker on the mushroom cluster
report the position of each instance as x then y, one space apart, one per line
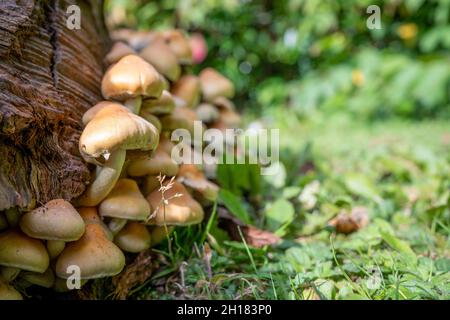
129 205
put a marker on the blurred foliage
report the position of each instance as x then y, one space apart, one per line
309 54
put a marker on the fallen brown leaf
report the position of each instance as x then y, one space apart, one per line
350 222
253 236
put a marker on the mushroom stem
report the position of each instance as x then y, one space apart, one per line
104 181
55 247
134 104
9 273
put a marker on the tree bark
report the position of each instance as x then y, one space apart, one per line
49 76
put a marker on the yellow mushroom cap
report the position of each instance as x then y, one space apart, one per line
165 104
114 127
179 44
130 77
134 237
93 253
20 251
55 220
181 209
117 52
195 180
158 162
215 85
188 89
160 56
126 202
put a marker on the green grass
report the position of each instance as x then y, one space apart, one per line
398 171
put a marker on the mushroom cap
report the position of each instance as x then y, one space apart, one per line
55 220
125 201
165 104
93 253
161 56
134 237
46 279
150 184
224 103
118 51
130 77
215 85
181 118
181 209
159 162
20 251
116 224
165 144
114 127
9 273
179 44
230 118
91 112
136 39
188 89
159 233
194 179
90 215
207 112
8 292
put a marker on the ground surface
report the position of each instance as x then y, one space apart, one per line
396 173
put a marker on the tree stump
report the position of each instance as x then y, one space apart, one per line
49 76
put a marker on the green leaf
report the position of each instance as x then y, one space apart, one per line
279 213
361 185
233 203
399 245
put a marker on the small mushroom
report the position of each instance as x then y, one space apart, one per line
161 56
207 113
195 180
93 253
133 238
125 202
188 89
117 52
90 215
159 233
159 162
179 44
215 85
177 208
56 220
17 250
130 79
161 106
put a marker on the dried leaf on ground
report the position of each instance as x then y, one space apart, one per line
350 222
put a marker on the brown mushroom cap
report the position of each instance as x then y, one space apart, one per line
188 89
19 251
126 202
8 292
215 85
90 215
159 162
179 44
195 180
134 237
159 233
114 127
160 56
90 114
117 52
130 77
229 118
224 103
93 253
181 209
150 184
136 39
207 112
55 220
46 279
165 104
181 118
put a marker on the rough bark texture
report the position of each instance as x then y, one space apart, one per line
49 76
